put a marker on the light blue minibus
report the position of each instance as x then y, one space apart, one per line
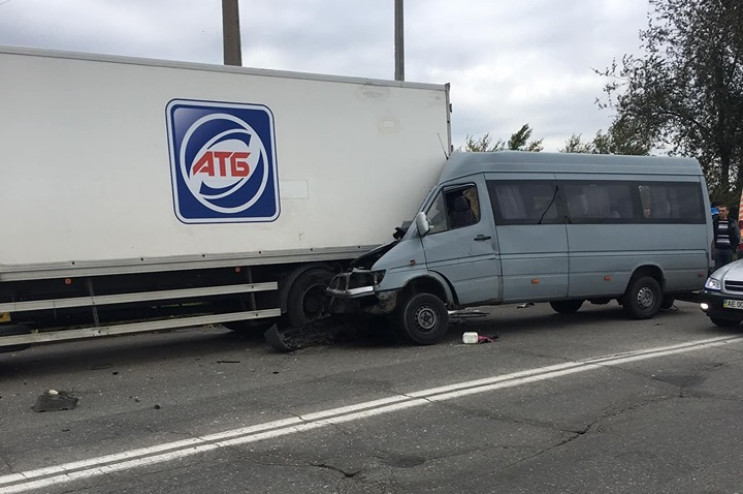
509 227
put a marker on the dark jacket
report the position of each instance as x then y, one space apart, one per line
733 232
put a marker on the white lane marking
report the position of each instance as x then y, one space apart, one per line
68 472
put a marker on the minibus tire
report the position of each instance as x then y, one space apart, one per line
643 298
424 319
566 306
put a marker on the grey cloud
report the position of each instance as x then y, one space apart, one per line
487 50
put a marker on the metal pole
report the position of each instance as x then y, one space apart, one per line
399 42
231 32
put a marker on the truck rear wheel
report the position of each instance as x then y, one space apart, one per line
643 298
566 306
424 319
306 302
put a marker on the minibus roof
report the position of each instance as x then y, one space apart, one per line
462 164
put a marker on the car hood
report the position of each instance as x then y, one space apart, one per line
732 271
366 261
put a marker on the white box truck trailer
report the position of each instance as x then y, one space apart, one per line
143 195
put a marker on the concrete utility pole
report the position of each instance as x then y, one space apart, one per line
399 42
231 33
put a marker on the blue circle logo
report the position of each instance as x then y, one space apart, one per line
222 162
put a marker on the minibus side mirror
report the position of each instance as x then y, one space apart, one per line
421 222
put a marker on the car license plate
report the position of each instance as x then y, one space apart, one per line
732 304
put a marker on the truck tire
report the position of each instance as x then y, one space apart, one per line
14 330
566 306
643 298
424 319
306 302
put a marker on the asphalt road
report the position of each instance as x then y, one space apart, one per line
590 402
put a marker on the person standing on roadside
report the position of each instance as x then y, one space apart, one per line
727 237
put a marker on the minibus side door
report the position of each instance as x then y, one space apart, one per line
460 244
531 236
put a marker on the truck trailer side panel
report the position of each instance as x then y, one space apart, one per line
142 195
86 169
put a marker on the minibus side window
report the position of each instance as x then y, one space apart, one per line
607 201
672 202
525 203
454 208
436 214
600 202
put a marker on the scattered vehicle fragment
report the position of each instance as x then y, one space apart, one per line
52 401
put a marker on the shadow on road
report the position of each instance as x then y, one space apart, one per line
219 345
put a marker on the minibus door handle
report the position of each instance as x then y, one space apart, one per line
482 238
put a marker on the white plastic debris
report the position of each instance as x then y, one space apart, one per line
470 337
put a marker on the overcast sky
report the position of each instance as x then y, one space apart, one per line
509 62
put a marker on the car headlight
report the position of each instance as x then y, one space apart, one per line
378 276
713 284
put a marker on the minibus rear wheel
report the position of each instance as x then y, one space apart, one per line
643 298
424 319
566 306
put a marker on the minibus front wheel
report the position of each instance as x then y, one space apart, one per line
643 298
424 318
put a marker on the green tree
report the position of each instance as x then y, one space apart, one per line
483 144
575 144
686 92
617 140
519 141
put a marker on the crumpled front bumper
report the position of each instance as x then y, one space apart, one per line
351 285
353 292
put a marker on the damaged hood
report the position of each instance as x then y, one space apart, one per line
366 261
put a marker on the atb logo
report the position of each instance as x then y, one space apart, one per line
222 162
